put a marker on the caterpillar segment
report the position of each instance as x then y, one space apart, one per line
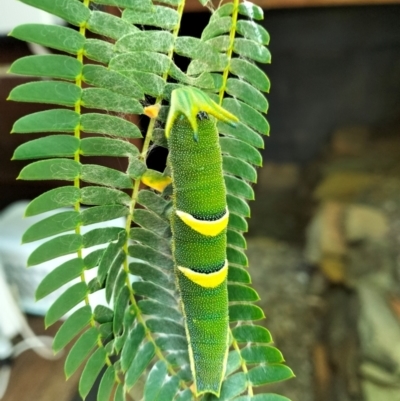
199 223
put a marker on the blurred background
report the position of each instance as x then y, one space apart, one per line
325 230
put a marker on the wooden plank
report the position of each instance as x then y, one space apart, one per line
195 6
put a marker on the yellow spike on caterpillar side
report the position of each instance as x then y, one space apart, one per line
156 180
205 227
206 280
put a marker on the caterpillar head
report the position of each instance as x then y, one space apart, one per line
193 103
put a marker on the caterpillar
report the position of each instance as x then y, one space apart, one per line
199 222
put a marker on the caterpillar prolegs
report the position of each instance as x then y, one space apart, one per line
199 220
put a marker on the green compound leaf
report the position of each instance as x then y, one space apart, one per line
239 168
104 196
102 77
65 302
151 84
262 397
150 256
122 3
108 25
233 362
53 92
238 206
217 27
247 115
236 257
151 274
106 384
100 236
49 146
96 174
71 327
266 374
251 73
236 239
155 380
98 50
72 11
150 239
155 292
152 222
220 43
153 202
255 354
99 98
97 214
57 120
54 248
253 31
111 256
165 326
102 314
139 364
237 187
91 371
119 393
243 133
115 276
242 293
250 10
159 16
53 36
52 225
223 11
145 61
238 275
152 41
252 50
107 147
196 49
53 169
245 312
231 387
109 125
131 346
249 333
246 92
49 65
53 199
61 275
80 350
237 223
240 150
120 305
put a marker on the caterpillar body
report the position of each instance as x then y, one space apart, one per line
199 222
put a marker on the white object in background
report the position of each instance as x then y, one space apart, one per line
13 323
14 13
15 256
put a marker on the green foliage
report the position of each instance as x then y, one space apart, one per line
142 332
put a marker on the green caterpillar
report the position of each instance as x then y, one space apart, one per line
199 220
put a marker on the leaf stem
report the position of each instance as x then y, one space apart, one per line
243 365
135 192
229 52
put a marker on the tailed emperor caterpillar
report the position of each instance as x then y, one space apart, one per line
199 222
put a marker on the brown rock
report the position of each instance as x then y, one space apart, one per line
364 222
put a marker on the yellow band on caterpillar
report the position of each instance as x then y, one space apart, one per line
207 280
209 228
